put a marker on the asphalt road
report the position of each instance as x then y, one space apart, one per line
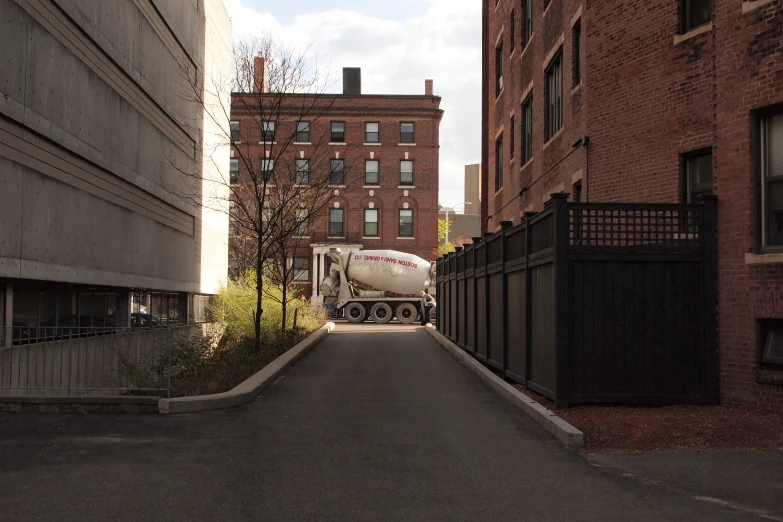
376 423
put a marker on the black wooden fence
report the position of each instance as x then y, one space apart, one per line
592 302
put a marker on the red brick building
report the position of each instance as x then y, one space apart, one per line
652 101
387 147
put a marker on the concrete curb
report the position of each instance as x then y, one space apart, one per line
80 404
564 432
249 389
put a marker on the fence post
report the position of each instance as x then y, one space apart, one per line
528 301
504 226
560 233
474 342
710 319
168 389
439 292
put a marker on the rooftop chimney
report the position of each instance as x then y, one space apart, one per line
259 74
352 81
427 87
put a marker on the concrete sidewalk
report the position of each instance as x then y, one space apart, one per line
376 423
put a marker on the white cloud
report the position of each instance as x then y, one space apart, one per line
396 56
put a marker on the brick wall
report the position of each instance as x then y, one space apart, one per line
648 95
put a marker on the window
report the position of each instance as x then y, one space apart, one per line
578 218
528 28
554 96
336 222
578 192
233 171
513 30
268 170
697 172
499 69
771 340
499 163
695 13
302 217
301 269
371 222
371 172
372 132
527 129
772 180
577 42
302 172
266 218
406 133
406 172
268 131
303 131
234 125
406 223
337 172
338 132
513 135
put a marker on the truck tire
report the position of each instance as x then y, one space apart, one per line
355 312
406 313
381 313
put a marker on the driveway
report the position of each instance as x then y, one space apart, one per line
376 423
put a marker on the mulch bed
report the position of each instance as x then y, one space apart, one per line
620 429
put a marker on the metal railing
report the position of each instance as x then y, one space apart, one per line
66 361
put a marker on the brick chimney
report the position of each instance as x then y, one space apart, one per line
352 80
427 87
259 72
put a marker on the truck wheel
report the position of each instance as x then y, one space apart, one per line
381 313
355 312
406 313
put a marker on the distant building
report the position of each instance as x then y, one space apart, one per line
466 222
651 101
389 143
97 228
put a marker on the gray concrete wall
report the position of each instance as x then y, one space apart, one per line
473 188
100 140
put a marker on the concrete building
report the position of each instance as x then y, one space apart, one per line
102 149
651 102
466 222
386 147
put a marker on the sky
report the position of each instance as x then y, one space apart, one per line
398 44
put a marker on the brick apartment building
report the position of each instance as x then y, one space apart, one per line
387 148
661 101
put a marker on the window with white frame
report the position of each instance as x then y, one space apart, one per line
371 222
337 172
233 171
372 133
406 172
235 136
268 131
302 222
336 228
267 170
371 176
302 171
406 223
303 131
771 158
301 269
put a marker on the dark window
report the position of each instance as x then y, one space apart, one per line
578 192
371 222
301 269
578 220
772 179
371 172
528 27
268 131
303 131
499 69
771 342
527 129
577 42
406 133
513 136
697 173
268 170
499 164
695 13
406 172
336 222
302 171
406 223
234 130
554 96
372 132
233 171
513 31
337 172
338 132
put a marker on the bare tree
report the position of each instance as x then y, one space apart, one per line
282 173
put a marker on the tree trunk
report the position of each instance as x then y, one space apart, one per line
259 307
285 306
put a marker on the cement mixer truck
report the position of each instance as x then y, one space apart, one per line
377 284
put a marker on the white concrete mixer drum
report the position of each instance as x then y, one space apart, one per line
397 273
